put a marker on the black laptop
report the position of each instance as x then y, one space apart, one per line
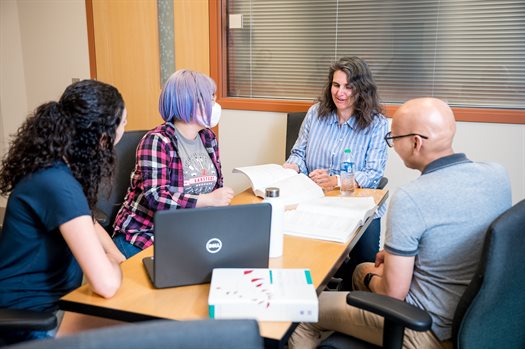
189 243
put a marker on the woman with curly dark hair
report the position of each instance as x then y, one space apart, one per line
52 173
348 116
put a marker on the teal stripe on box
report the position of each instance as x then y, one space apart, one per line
271 277
211 311
308 277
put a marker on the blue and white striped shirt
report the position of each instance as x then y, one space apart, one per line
322 141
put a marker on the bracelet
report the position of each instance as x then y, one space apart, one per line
368 279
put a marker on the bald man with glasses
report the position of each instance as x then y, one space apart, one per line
435 230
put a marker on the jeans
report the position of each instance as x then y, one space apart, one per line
364 251
127 249
336 315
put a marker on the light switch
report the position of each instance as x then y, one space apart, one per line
235 21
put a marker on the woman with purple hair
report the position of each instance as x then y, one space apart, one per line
178 163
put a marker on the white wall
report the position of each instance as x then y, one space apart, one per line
252 138
54 45
249 138
13 96
43 46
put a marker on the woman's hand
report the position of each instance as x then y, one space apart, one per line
323 180
291 166
218 197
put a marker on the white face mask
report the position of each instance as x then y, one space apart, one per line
215 114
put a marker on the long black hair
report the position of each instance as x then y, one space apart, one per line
79 129
364 91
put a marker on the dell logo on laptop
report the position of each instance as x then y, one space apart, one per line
213 245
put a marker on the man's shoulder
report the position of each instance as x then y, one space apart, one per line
469 177
491 167
470 171
465 170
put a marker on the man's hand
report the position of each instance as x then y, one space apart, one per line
380 258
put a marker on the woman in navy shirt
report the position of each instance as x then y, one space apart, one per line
52 173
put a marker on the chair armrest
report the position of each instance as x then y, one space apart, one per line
382 183
22 319
392 309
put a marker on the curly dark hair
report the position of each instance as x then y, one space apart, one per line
79 129
366 98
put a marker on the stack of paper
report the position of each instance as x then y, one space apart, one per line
263 294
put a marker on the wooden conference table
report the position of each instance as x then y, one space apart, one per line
138 300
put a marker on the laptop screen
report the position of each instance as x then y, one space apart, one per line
189 243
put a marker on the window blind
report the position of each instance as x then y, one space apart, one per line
470 53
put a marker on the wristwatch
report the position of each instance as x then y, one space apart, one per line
368 278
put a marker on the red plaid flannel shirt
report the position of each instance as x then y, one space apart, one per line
157 183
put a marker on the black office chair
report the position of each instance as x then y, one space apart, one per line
107 207
293 125
24 320
160 334
21 319
491 312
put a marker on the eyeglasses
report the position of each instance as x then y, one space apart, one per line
389 139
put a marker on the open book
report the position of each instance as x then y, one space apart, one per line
294 187
330 218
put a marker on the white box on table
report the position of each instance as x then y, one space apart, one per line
263 294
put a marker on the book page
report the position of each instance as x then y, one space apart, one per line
329 218
341 206
263 176
296 189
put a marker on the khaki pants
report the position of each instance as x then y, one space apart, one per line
336 315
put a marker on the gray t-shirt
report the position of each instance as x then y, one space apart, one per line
441 218
200 175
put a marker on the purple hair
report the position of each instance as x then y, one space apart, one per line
187 96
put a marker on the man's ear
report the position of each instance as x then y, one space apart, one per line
418 143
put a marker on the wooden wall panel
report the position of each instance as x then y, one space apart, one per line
192 35
127 56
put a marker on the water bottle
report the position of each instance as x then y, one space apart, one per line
277 223
346 174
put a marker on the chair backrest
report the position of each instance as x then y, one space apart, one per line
125 150
160 334
293 125
491 312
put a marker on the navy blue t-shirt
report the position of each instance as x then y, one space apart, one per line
36 265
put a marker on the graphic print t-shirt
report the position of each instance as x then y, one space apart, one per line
200 176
